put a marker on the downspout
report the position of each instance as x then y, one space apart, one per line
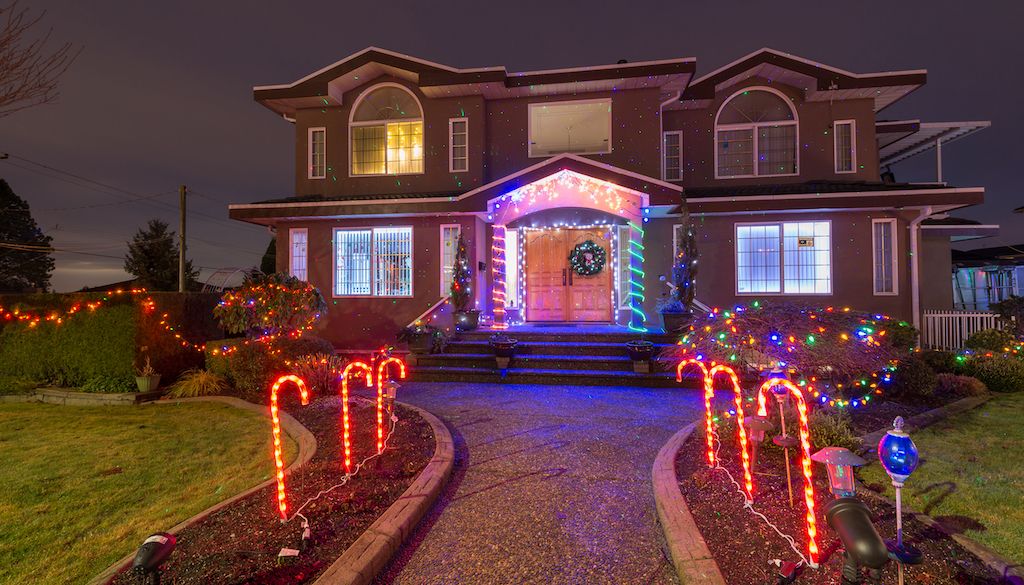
915 268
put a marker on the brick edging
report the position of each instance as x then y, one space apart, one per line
300 434
365 557
690 554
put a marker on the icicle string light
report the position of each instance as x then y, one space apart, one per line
382 369
346 428
274 417
498 276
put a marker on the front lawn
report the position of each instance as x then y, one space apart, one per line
83 486
972 474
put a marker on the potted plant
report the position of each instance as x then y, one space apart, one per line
674 314
146 378
504 347
641 352
422 338
466 318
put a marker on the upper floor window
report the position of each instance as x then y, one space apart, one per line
458 145
756 135
317 153
577 127
298 253
387 132
844 133
672 163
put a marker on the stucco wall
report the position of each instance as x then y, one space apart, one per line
936 273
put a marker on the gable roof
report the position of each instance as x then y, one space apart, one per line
820 82
326 86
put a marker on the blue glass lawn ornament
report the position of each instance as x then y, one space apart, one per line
899 456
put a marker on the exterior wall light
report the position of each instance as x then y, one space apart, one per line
155 551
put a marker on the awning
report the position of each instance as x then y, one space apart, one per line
902 139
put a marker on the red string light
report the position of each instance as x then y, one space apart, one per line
345 425
708 428
498 277
709 390
381 370
278 462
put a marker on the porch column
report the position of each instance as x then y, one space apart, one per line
498 276
637 317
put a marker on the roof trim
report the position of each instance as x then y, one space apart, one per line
921 139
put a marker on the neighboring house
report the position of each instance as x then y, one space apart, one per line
987 275
779 159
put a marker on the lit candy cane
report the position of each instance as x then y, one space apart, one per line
805 445
709 390
381 369
344 406
277 436
708 428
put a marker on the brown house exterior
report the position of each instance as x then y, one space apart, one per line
778 159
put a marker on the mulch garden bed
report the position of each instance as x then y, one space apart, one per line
880 414
240 544
743 544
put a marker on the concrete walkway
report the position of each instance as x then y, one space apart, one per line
551 485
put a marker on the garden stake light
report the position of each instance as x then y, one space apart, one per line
899 456
345 426
382 368
278 462
758 426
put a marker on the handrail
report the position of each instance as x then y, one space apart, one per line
432 308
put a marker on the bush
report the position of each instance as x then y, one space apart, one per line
832 429
943 362
17 385
321 371
305 345
199 383
253 367
955 387
1000 374
115 384
995 340
1012 311
913 380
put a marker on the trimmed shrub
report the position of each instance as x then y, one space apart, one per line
913 380
252 367
832 429
305 345
955 387
943 362
1000 374
116 384
995 340
199 383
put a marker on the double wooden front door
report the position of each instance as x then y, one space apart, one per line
554 291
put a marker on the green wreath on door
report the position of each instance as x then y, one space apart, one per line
587 258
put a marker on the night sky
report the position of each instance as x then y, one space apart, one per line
162 94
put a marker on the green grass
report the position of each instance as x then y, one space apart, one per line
972 474
83 486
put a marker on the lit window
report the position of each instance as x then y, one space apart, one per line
458 145
883 239
317 153
387 132
297 259
845 146
673 162
784 258
449 242
755 135
578 127
373 262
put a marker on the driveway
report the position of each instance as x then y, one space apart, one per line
552 484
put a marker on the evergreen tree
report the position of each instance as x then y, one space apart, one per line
684 269
268 265
153 258
461 277
25 261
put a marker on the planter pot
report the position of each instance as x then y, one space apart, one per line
673 322
640 350
641 367
503 362
147 383
421 344
467 320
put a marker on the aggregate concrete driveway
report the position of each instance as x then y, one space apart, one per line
552 484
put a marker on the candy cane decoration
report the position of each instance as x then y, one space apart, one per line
277 436
344 406
805 446
709 430
709 393
381 369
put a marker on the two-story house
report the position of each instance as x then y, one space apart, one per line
779 160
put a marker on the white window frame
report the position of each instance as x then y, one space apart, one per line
310 168
291 251
754 127
664 155
853 146
451 145
677 236
529 125
446 281
893 260
373 262
782 260
384 123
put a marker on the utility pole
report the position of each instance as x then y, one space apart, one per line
182 190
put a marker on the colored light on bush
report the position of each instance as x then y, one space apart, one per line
345 424
276 421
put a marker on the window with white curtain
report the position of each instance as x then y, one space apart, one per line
317 153
845 146
458 145
387 132
578 127
297 258
784 258
373 262
449 243
883 245
672 164
755 135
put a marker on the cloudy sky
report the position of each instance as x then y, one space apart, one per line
161 94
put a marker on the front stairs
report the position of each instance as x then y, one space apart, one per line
559 356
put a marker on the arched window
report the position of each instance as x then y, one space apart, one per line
386 127
756 135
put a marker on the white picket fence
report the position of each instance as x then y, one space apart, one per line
947 330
